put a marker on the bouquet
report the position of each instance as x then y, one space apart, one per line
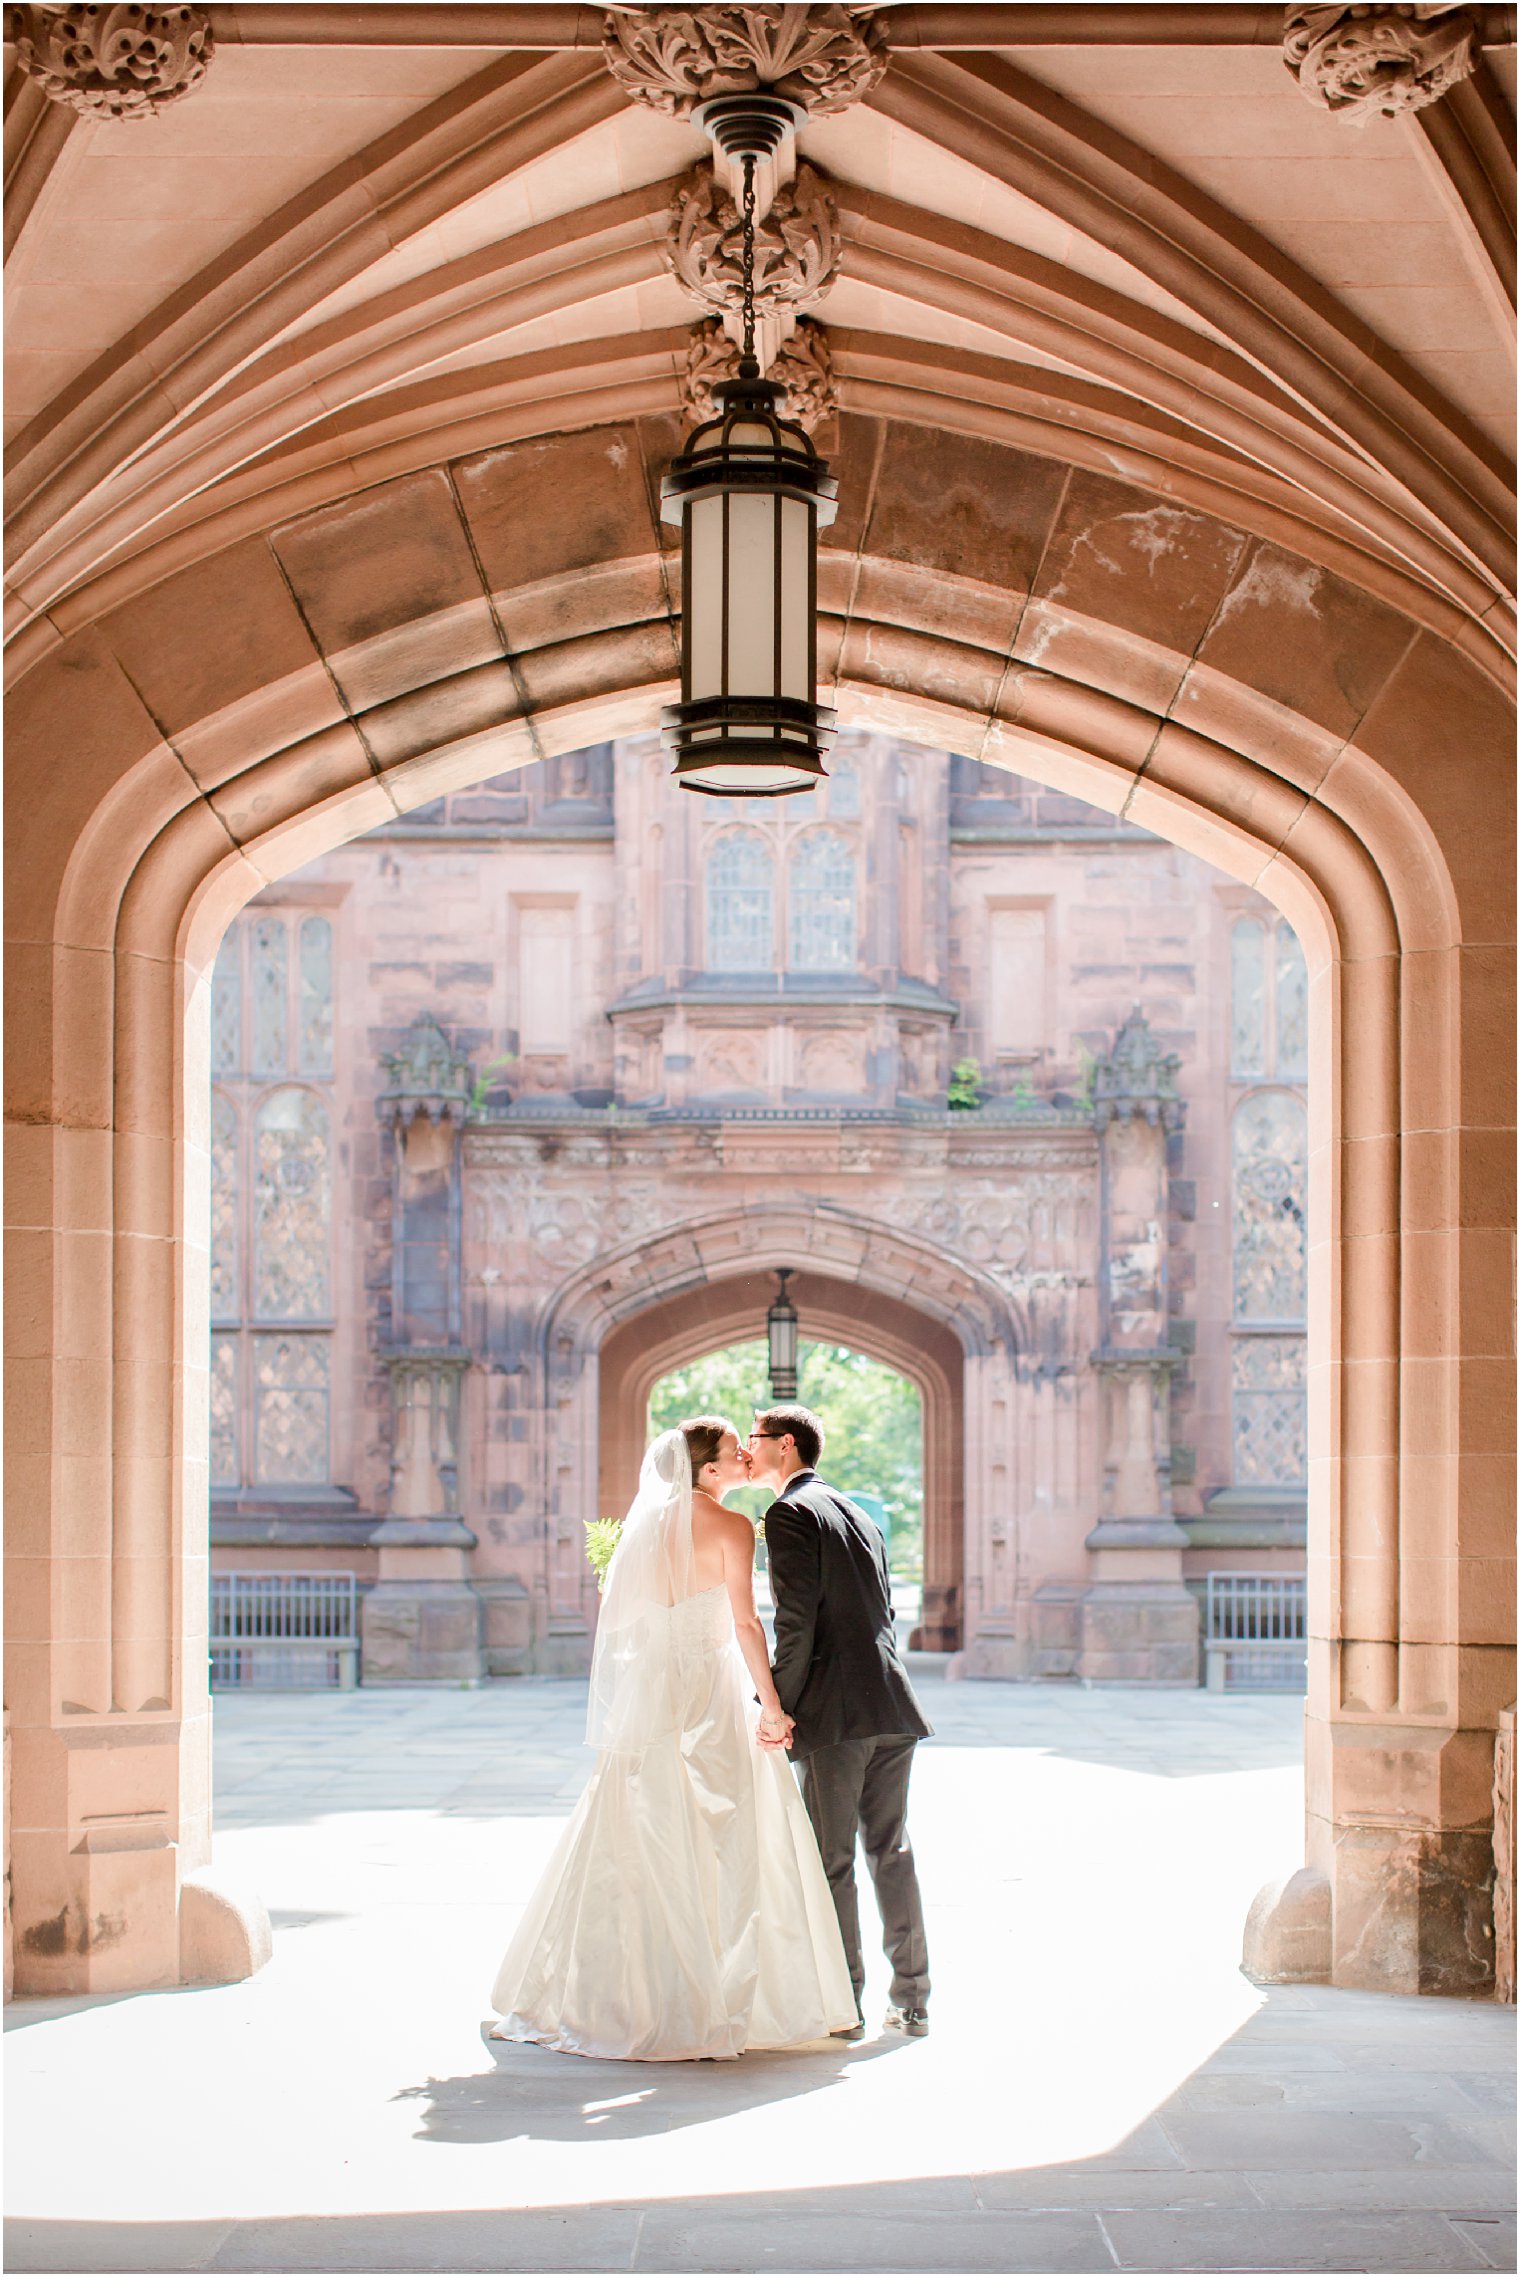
601 1540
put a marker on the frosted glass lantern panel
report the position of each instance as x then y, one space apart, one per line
740 905
1270 1181
290 1410
704 602
751 595
292 1208
1248 998
1292 1007
821 891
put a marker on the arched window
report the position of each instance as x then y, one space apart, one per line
291 1392
821 896
314 1050
1269 1202
271 1010
740 904
227 1006
1248 998
225 1245
292 1208
1292 1008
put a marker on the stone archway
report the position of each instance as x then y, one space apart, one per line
241 713
904 1336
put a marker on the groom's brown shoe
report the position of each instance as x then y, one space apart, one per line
913 2021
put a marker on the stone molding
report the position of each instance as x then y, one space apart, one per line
673 59
804 367
798 248
114 63
1367 62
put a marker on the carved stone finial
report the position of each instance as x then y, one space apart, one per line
803 367
1363 62
426 1077
797 244
824 58
115 63
1136 1081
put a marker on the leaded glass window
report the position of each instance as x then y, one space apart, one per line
844 791
225 1469
225 1244
1248 998
314 1049
1268 1411
290 1410
271 1012
1292 1007
821 894
1270 1178
740 904
292 1208
227 1006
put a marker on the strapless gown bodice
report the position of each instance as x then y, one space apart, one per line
685 1911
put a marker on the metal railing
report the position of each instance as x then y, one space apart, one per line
1254 1632
284 1632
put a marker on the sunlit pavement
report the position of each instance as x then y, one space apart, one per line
1101 2087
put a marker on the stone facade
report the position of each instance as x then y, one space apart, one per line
576 1060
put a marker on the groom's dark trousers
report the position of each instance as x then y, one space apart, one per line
839 1675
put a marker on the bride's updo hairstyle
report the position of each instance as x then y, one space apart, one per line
704 1436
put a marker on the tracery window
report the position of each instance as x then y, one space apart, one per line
821 904
1269 1182
741 904
272 1202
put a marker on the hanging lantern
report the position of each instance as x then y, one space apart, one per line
750 493
781 1338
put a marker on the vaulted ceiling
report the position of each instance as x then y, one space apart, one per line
373 238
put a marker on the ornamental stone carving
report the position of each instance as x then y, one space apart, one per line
672 59
797 244
1363 62
426 1077
1137 1081
115 63
804 367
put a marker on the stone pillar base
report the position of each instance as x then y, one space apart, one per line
1138 1632
1287 1938
939 1622
224 1932
1055 1630
507 1615
564 1649
421 1623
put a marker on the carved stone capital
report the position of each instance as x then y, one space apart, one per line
803 367
1364 62
672 59
797 244
115 63
426 1077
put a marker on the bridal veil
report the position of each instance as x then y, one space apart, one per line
635 1695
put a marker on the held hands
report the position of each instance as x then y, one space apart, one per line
775 1729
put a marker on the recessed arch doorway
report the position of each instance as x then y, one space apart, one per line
916 1341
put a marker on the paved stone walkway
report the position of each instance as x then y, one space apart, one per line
1102 2089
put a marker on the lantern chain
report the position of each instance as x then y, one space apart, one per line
749 257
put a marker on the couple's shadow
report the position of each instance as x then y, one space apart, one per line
536 2095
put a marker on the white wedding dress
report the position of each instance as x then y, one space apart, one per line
685 1912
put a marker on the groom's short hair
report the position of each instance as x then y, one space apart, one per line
804 1427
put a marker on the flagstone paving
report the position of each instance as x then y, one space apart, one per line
1101 2089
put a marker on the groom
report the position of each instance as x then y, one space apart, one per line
856 1720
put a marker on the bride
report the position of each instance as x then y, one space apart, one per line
685 1911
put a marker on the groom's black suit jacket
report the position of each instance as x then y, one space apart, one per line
837 1668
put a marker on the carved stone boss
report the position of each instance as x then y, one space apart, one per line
672 59
804 367
1365 62
797 246
114 63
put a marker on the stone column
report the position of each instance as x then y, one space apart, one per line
421 1622
1138 1621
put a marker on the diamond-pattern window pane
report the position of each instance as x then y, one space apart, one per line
1248 998
227 1006
224 1209
290 1410
1269 1207
821 891
1268 1411
740 925
844 791
292 1208
1292 1007
315 1043
224 1412
271 1009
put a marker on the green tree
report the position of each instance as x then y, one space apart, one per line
872 1417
